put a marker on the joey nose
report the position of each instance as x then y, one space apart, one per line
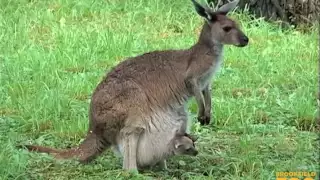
195 153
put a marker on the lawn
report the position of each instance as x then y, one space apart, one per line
54 53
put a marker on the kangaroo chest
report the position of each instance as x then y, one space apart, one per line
211 62
205 79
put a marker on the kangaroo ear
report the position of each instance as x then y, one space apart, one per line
225 9
204 12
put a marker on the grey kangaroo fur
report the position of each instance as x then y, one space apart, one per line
157 147
147 94
152 150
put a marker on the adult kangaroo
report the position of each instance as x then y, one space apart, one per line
147 94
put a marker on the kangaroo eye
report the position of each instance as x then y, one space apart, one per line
227 29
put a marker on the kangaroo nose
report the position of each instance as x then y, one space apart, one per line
244 40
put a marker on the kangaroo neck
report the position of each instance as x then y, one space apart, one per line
205 41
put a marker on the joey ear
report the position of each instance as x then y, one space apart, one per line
177 144
192 137
225 9
204 12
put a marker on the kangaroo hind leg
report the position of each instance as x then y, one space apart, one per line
94 147
130 136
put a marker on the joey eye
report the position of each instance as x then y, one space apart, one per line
227 28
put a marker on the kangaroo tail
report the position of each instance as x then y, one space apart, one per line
88 150
42 149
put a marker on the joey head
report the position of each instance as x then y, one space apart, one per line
183 145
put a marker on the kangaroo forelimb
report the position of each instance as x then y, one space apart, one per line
205 117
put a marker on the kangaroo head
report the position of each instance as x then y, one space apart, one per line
222 29
184 145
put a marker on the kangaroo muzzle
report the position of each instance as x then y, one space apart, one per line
243 40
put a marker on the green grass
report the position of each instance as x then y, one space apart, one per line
54 53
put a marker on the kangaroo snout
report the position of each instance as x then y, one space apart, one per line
243 41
